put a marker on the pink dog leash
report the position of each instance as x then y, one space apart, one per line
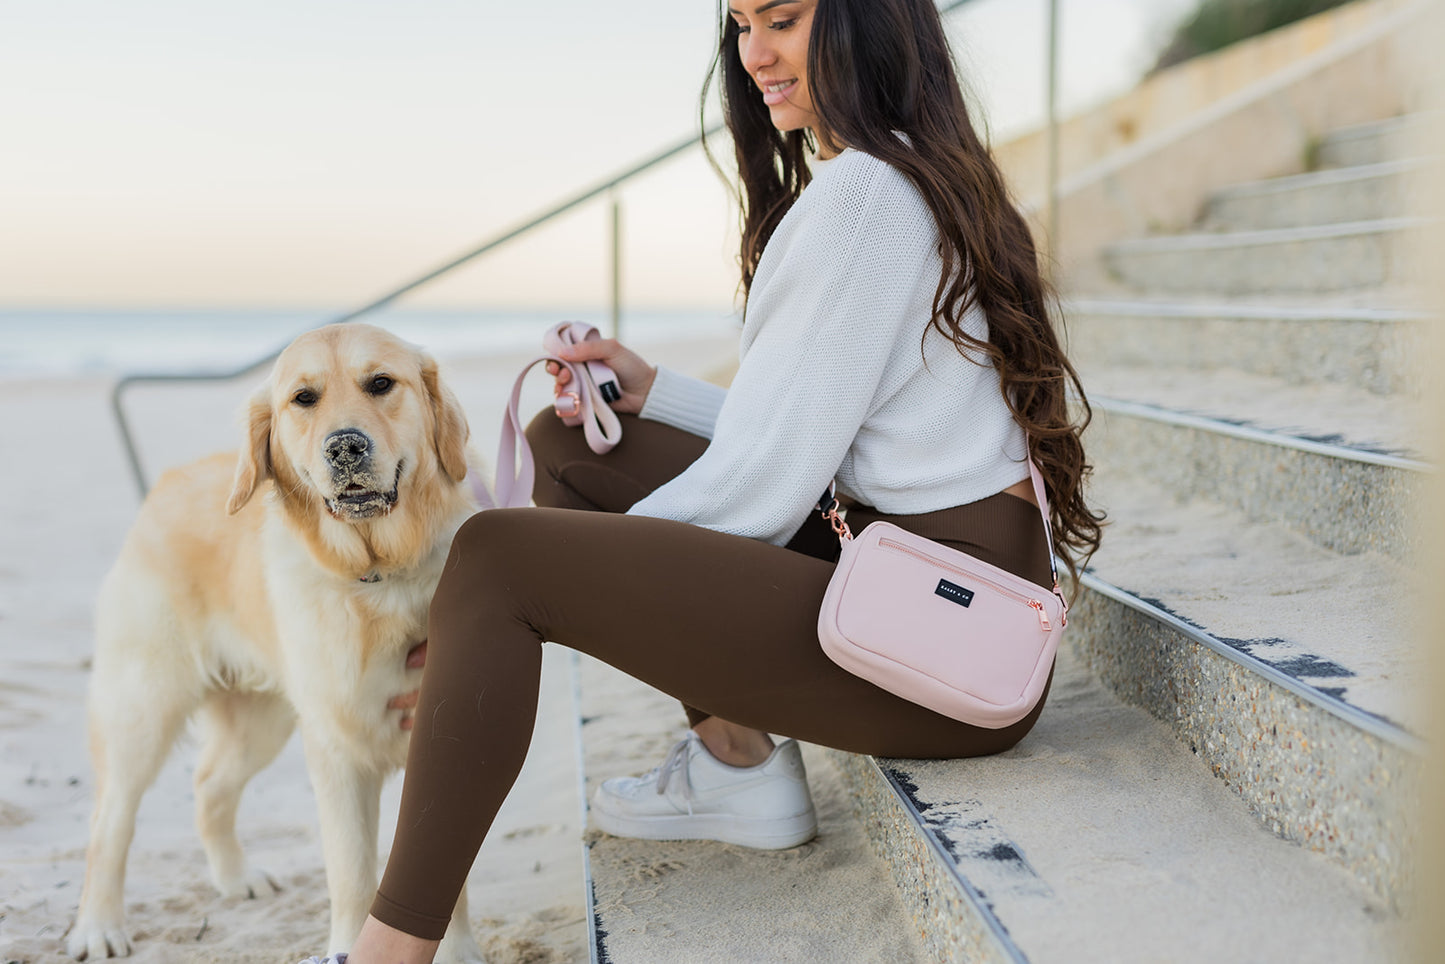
594 385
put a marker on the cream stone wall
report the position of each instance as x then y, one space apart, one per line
1158 183
1161 101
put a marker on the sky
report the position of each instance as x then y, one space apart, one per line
189 153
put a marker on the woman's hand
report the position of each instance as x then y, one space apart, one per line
406 702
634 376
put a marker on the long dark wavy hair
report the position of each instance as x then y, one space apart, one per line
880 66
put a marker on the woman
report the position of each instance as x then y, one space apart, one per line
896 338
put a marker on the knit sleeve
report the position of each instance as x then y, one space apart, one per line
835 297
690 404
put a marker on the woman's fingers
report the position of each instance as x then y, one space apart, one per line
561 375
405 701
601 349
634 375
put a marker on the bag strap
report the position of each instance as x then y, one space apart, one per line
828 506
1043 500
594 385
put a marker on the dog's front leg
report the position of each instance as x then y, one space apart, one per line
348 801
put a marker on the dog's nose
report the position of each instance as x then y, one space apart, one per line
347 448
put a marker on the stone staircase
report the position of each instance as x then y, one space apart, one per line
1258 431
1227 764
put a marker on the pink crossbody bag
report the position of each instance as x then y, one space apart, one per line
928 623
938 627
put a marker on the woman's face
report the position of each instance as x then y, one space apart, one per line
773 48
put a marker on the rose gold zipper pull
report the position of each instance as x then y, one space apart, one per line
1043 616
828 505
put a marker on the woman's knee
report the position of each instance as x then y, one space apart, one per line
552 441
485 545
555 447
484 593
497 578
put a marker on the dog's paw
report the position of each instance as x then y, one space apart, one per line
250 882
97 940
459 949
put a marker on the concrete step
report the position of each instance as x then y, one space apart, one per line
1359 254
1324 413
1375 142
1378 349
831 899
1288 669
1366 193
1100 838
1330 464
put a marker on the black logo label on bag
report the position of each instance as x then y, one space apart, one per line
954 593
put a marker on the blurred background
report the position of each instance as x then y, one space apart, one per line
1237 242
184 182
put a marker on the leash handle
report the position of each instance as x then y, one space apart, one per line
593 387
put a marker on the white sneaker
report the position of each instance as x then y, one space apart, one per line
695 796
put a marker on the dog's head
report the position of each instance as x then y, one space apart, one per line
352 417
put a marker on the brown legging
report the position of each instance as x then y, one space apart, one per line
724 623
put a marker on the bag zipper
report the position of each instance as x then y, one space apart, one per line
1032 603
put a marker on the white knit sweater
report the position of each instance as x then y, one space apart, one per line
833 380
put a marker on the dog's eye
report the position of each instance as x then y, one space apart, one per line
380 385
305 398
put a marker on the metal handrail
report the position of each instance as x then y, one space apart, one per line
121 386
602 187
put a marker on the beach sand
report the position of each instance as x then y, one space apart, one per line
831 899
66 501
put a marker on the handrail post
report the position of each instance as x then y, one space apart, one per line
616 265
127 441
1052 138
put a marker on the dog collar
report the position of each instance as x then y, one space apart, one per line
373 576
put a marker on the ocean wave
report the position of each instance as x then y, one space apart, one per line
123 341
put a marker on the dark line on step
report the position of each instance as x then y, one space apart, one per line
603 957
1331 438
1300 666
964 836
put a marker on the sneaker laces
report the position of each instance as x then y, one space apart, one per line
677 760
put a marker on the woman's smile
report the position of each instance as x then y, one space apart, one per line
776 92
772 42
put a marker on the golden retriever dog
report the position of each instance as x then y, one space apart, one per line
285 586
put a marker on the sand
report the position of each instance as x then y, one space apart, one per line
831 899
66 500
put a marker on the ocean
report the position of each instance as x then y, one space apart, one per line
68 342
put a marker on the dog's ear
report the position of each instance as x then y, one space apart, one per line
254 465
449 422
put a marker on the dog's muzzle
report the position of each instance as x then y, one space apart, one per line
347 450
359 494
